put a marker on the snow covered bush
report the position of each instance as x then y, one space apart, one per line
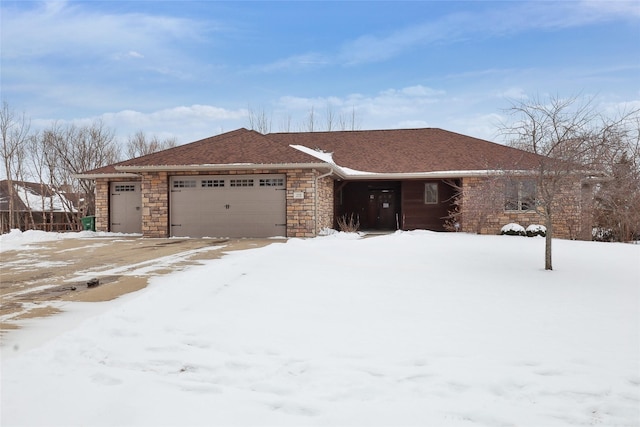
536 230
513 229
600 234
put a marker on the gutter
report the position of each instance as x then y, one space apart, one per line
105 175
226 166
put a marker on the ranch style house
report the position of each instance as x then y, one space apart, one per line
247 184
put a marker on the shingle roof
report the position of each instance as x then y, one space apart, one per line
411 150
375 151
236 147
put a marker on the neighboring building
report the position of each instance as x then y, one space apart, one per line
36 206
246 184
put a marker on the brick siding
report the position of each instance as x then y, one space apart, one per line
489 216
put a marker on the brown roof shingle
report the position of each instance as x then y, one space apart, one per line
375 151
411 150
236 147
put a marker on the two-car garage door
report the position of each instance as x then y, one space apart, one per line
228 205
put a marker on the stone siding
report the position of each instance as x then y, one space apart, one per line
102 205
155 204
482 209
325 203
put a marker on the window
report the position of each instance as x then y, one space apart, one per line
212 183
520 195
431 193
125 187
184 184
241 183
272 182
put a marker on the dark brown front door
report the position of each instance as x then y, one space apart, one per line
382 209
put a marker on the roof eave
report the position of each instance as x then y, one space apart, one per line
105 175
219 167
432 175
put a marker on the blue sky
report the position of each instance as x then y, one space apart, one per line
193 69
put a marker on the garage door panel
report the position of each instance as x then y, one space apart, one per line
125 213
228 206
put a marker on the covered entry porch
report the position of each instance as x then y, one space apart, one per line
395 204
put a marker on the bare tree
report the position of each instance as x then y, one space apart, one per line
556 130
41 172
259 120
309 125
285 124
14 130
475 207
76 150
348 121
330 118
617 208
140 144
569 135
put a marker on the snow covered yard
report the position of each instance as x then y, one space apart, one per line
414 328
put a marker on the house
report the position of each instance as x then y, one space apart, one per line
36 206
246 184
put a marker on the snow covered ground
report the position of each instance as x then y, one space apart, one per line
413 328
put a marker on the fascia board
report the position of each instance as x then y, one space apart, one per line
433 175
105 175
219 167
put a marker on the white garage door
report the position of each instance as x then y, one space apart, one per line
228 205
125 214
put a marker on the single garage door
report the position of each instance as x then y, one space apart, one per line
124 203
228 205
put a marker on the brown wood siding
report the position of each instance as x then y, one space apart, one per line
376 204
418 215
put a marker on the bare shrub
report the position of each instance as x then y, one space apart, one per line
349 224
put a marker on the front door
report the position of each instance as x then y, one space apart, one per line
382 210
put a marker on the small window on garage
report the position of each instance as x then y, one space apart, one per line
184 183
431 193
272 182
120 188
241 183
212 183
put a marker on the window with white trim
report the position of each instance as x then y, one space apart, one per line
430 193
520 195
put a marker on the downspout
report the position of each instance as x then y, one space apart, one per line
315 216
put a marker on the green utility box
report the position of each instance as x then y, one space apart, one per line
89 223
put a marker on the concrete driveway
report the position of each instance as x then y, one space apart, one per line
39 279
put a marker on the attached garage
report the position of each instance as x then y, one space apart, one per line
125 207
228 205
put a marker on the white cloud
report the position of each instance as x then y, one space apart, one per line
294 62
506 19
513 93
71 29
185 123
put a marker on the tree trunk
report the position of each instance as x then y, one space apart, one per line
547 244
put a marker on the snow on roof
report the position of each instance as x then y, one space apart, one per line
54 202
328 158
